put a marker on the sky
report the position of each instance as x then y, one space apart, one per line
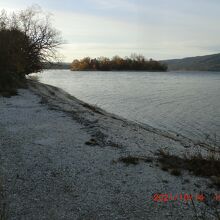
158 29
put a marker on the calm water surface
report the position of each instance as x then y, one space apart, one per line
183 102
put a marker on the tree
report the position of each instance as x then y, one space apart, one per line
75 65
27 40
41 39
13 44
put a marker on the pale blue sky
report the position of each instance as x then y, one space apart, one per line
160 29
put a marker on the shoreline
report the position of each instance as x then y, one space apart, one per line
63 158
46 89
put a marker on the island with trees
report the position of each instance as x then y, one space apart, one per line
133 63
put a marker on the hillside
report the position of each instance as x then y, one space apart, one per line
199 63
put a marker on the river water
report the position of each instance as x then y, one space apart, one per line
187 103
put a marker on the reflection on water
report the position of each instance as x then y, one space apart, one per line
183 102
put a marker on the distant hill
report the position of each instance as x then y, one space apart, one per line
200 63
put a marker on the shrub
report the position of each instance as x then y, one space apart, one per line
199 165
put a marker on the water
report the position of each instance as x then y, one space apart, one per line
187 103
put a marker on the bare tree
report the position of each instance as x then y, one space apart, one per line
42 39
27 41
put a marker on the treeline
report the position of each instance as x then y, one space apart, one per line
56 65
27 40
132 63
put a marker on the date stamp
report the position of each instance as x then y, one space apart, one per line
184 197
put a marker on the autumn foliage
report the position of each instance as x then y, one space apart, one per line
132 63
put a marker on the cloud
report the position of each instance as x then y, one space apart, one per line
82 27
93 35
158 29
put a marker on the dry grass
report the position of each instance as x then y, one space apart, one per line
92 108
175 172
199 165
91 142
135 160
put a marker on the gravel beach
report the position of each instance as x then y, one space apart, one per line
60 158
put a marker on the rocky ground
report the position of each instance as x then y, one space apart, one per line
61 158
